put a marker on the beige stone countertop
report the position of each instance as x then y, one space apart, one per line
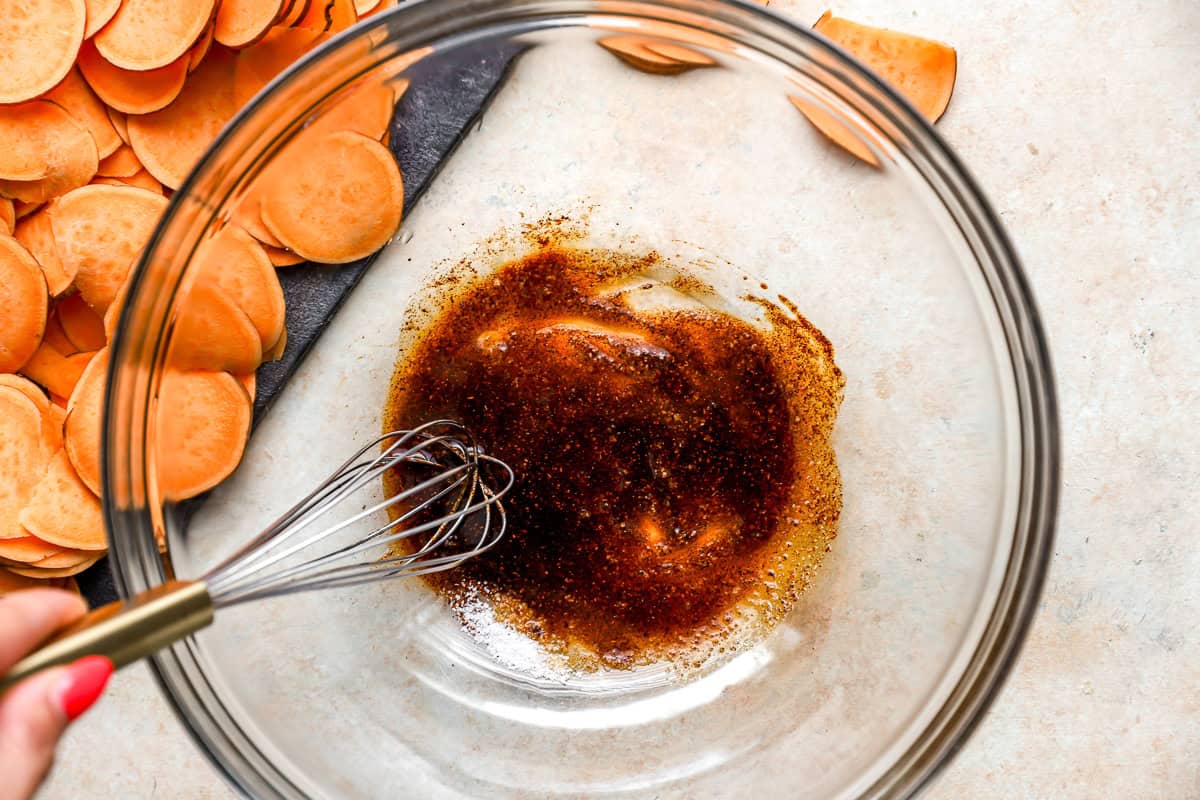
1081 119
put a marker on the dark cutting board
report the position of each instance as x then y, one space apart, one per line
446 97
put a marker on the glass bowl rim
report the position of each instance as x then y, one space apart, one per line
135 559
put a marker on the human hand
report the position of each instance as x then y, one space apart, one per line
35 712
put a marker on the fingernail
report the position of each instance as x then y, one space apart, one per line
84 682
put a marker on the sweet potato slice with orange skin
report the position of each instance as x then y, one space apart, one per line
203 421
170 142
37 236
27 549
8 217
212 332
367 110
836 130
62 511
921 70
362 7
10 582
23 305
280 257
55 338
147 34
74 94
200 49
24 209
242 22
248 214
82 326
65 557
81 433
64 147
341 15
33 134
100 232
34 571
294 13
99 13
342 201
117 118
38 43
121 164
276 352
57 372
22 459
249 382
636 51
258 64
132 92
318 16
52 416
234 262
141 179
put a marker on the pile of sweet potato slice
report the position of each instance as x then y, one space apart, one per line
105 106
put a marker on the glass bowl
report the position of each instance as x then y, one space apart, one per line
947 437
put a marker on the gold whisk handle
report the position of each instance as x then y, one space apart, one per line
124 631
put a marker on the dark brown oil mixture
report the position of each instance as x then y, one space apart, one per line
672 465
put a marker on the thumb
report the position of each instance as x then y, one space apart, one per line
33 715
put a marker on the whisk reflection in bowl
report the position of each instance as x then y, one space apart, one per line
448 512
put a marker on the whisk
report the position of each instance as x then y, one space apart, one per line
447 510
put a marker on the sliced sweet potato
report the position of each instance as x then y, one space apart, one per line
82 325
340 202
58 373
383 5
31 133
276 352
24 209
637 53
129 91
367 110
248 214
200 49
36 234
10 582
62 511
55 337
258 64
100 231
922 70
170 142
293 12
203 421
341 15
280 257
8 217
117 118
234 262
35 571
52 417
26 549
212 332
318 16
65 558
362 7
74 94
99 12
242 22
22 460
41 132
23 305
120 164
147 34
141 179
38 43
249 382
841 131
81 433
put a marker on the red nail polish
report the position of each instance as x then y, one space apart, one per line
85 680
